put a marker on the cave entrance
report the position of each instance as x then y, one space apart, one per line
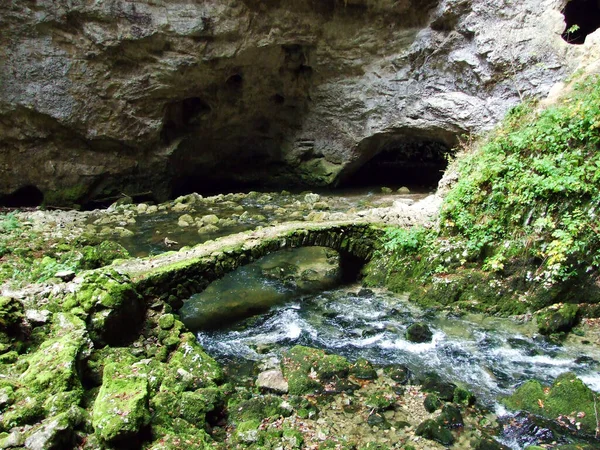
412 162
27 196
582 17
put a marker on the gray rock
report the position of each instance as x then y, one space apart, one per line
138 95
38 316
272 380
65 275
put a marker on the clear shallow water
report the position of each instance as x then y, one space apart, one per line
489 355
241 213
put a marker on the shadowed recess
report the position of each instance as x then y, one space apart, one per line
582 17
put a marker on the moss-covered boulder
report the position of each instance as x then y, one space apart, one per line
96 256
419 332
308 369
121 407
46 382
568 401
113 308
190 368
432 430
432 402
450 417
557 319
433 383
12 315
363 370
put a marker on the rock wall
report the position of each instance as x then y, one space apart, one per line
99 98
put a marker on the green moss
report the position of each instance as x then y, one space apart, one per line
432 403
121 407
464 397
306 369
114 308
432 430
190 368
11 314
363 370
102 254
554 320
166 321
65 196
567 397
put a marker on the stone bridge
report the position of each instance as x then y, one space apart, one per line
177 275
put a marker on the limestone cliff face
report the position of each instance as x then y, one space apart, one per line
102 97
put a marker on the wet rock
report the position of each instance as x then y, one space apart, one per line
418 332
557 319
210 219
432 403
363 370
272 380
433 383
568 399
464 397
488 443
451 417
378 420
432 430
185 221
403 190
399 373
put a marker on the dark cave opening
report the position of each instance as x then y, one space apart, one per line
26 196
415 163
582 17
180 116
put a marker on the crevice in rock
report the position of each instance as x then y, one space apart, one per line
582 17
25 196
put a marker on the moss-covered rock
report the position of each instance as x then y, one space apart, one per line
432 430
102 254
418 332
433 383
568 400
450 417
464 397
190 368
12 315
121 407
432 403
307 369
114 309
557 319
363 370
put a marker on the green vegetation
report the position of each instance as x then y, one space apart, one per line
518 231
27 256
568 401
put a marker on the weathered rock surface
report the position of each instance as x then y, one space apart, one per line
100 98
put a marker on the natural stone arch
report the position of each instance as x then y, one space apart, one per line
174 276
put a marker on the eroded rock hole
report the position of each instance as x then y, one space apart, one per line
582 17
27 196
235 82
414 163
181 116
